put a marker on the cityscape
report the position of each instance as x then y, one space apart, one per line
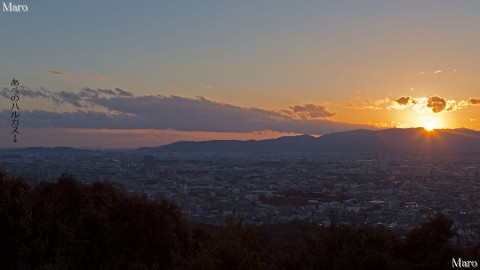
397 191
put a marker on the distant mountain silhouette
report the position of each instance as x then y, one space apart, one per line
48 150
412 140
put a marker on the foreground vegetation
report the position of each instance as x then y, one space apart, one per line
69 225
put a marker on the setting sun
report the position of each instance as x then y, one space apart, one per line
429 126
430 122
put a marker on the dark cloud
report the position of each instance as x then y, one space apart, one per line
85 96
433 104
59 73
125 111
107 91
436 104
311 111
90 92
69 97
122 92
26 92
474 101
405 101
79 119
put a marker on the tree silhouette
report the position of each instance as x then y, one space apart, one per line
15 219
70 225
233 246
427 247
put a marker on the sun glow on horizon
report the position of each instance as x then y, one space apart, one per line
430 123
429 126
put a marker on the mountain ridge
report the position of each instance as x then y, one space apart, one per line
395 140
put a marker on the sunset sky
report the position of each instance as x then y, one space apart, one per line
146 73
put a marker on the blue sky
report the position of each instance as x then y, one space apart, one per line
270 55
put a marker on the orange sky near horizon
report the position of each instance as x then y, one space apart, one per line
195 70
124 138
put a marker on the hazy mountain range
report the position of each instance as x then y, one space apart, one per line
412 140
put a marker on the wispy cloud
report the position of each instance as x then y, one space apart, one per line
474 101
391 124
368 104
60 73
99 78
311 111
